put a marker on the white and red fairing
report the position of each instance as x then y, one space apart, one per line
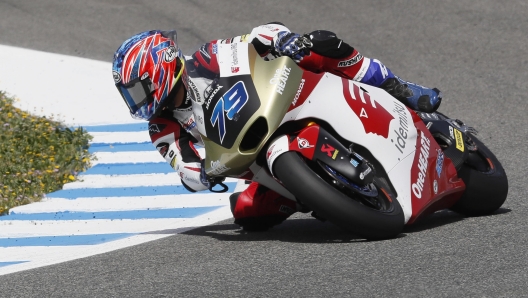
424 180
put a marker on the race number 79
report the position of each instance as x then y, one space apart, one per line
231 103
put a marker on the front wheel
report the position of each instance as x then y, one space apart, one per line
486 182
375 217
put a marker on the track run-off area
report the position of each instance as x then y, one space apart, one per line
124 199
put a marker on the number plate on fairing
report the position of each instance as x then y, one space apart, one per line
232 103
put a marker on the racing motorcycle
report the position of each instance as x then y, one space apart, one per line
349 152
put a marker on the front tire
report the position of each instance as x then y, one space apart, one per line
486 183
330 203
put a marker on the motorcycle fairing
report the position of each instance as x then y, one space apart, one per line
451 136
434 181
353 109
270 88
362 114
226 112
316 144
368 116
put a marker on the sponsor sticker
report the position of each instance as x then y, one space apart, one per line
459 140
330 151
365 173
278 147
195 93
298 92
234 62
218 168
163 148
303 143
189 124
418 186
280 78
155 128
117 76
233 59
439 162
354 163
210 94
403 128
351 61
170 54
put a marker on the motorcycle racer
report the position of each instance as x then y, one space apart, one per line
157 82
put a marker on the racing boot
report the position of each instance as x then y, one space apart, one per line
258 208
416 97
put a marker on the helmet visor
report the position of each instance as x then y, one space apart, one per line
137 93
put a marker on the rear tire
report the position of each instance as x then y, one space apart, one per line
486 183
330 203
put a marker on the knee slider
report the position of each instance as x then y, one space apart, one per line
327 44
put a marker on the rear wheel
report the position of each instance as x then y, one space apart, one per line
370 211
486 182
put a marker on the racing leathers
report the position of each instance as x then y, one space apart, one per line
174 132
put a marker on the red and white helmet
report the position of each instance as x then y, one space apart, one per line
148 70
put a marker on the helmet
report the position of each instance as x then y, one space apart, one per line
148 70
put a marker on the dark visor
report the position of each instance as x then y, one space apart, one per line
137 93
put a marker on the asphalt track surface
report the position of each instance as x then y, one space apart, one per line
476 52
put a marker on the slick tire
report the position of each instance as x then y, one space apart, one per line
486 183
329 203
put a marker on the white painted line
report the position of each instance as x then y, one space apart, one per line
81 92
91 227
123 203
103 181
133 156
127 157
88 227
39 256
121 137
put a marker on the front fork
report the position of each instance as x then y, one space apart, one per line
318 145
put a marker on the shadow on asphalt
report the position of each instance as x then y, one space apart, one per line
302 228
299 229
441 218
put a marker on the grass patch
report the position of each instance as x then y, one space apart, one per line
38 155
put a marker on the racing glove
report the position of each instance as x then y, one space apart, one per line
210 182
292 45
191 176
194 178
203 176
